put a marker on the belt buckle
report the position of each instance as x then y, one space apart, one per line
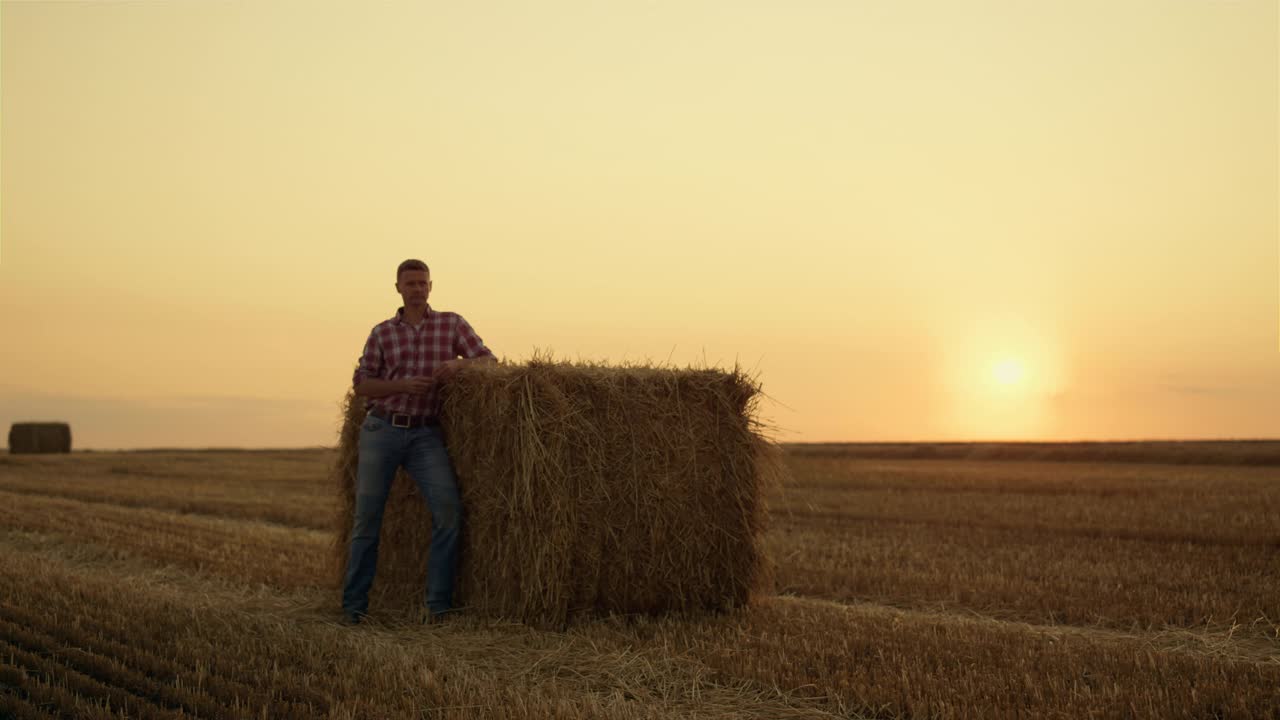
395 423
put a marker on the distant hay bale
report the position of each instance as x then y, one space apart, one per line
39 437
586 488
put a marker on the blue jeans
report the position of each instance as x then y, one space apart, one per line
421 450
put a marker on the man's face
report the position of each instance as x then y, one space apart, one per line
414 286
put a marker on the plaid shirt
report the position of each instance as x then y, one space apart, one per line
396 350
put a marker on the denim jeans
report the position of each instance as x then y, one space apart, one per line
421 450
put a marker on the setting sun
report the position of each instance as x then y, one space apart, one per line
1009 372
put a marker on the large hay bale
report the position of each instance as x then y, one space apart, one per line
586 488
39 437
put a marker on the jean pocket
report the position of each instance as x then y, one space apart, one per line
372 423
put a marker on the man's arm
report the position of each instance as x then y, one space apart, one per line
469 345
367 379
446 370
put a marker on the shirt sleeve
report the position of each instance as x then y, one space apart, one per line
466 343
371 363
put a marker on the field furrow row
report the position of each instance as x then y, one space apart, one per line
49 677
1030 576
883 662
141 671
247 551
313 516
291 489
13 699
506 671
1268 540
1228 504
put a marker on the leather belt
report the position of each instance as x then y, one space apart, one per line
401 420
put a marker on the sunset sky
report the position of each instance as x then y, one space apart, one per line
915 220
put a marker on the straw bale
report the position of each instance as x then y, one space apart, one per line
586 488
39 437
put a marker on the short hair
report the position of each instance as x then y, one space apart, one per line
411 265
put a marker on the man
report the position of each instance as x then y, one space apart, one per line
403 362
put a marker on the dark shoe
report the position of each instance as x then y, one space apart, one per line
432 617
351 619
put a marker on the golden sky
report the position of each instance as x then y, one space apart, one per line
916 220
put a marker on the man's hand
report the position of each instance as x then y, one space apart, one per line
415 385
446 369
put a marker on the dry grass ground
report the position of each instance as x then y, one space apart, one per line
1166 452
180 584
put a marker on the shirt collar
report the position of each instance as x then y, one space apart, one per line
399 318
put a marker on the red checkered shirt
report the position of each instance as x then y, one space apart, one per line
396 350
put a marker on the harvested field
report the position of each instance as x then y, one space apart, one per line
1163 452
200 584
